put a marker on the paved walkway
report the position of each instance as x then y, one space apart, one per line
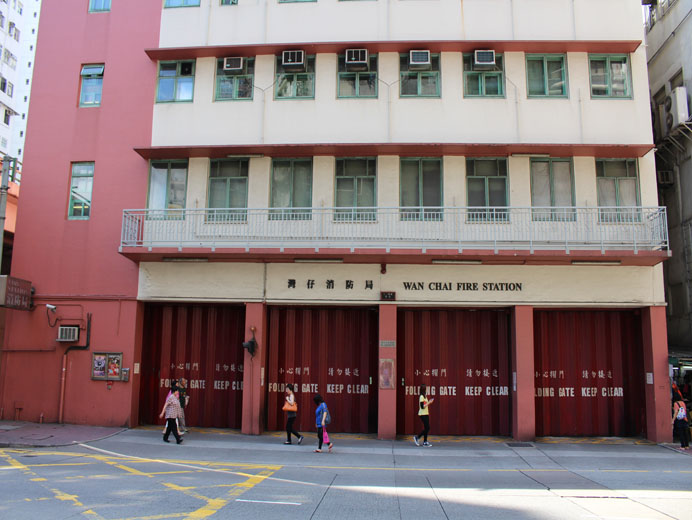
14 434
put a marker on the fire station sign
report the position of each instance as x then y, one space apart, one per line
15 293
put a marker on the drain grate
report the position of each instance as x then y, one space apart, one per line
519 444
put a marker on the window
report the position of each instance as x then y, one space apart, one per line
235 84
610 76
92 84
551 187
355 188
421 189
486 187
229 2
419 83
167 187
6 117
546 75
99 6
181 3
228 190
291 187
484 82
293 1
16 35
2 20
6 86
362 83
295 84
9 58
618 192
80 190
176 81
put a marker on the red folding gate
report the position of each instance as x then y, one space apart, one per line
463 357
589 373
330 351
203 344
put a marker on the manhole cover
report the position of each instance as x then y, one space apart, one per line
519 445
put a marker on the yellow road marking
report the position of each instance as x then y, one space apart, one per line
38 479
66 497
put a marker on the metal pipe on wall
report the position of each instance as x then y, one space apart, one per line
63 373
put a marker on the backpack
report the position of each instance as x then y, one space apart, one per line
682 413
328 419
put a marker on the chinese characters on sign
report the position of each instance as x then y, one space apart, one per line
329 284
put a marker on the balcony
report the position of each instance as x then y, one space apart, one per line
561 234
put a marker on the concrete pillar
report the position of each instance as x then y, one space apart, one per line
523 390
254 395
657 381
386 408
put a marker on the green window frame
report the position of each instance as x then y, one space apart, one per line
295 84
181 3
357 84
99 6
355 193
420 188
294 1
291 189
176 82
484 82
419 83
229 2
228 188
609 76
546 75
618 190
91 85
231 85
167 189
487 189
81 186
552 186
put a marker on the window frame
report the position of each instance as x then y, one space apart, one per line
437 74
310 64
618 202
251 63
421 212
290 212
341 58
104 9
93 76
483 213
176 77
609 83
228 214
482 77
184 4
229 2
353 213
164 216
71 199
548 213
545 59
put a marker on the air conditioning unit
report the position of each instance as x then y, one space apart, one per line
664 117
68 334
293 60
235 64
665 177
419 60
357 59
678 106
484 58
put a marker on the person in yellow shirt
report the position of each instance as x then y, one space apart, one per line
424 414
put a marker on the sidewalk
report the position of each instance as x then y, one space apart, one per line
15 434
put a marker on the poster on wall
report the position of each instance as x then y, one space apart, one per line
98 366
106 366
115 361
387 376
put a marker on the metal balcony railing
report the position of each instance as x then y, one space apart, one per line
492 228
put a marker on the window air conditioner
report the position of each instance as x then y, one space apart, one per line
665 177
484 58
293 60
68 334
419 60
357 59
233 64
678 107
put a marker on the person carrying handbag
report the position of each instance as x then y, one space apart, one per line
291 409
681 426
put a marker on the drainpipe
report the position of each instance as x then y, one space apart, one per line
63 377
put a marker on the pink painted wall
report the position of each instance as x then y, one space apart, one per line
77 262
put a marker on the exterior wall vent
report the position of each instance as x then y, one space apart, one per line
419 60
357 59
484 58
68 334
233 64
293 60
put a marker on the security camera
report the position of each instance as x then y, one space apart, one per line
51 307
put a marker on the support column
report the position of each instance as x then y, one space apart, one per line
254 395
657 381
386 398
523 386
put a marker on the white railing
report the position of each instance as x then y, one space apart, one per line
563 228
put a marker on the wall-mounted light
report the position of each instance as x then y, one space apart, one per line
251 345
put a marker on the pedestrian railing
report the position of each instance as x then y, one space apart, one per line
493 228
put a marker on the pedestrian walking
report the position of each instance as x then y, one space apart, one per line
424 414
291 409
322 418
681 426
174 387
172 410
184 400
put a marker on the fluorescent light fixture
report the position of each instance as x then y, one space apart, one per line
184 259
457 262
596 262
319 260
539 155
245 155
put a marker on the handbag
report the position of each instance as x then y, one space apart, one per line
290 407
